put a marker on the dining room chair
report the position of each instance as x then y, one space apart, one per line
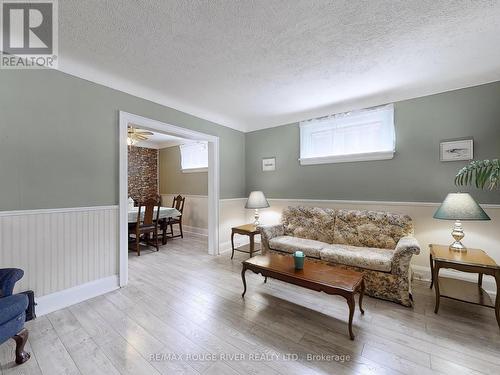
146 227
178 204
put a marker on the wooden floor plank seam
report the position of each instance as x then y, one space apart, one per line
180 299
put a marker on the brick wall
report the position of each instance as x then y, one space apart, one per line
142 173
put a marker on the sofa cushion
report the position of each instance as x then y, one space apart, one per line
289 244
313 223
12 306
364 257
371 228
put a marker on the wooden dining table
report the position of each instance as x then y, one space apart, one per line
165 214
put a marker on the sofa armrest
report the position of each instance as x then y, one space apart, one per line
405 248
8 278
268 232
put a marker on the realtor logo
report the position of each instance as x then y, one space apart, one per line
29 34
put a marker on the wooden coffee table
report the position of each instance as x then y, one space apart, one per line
315 275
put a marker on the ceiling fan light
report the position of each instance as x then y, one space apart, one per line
134 135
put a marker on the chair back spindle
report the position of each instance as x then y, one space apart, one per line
178 203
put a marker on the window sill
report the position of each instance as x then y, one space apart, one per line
384 155
194 170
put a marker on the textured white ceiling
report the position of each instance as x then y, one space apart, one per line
260 63
160 140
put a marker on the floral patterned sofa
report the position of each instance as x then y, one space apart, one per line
380 244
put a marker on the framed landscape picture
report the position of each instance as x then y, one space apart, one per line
455 150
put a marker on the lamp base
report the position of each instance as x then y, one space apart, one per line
256 217
458 246
458 234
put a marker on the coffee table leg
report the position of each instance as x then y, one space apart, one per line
352 306
265 279
361 294
244 282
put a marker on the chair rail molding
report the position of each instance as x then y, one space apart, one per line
56 210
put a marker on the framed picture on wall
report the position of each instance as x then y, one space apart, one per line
455 150
268 164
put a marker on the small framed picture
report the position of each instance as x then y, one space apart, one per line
454 150
268 164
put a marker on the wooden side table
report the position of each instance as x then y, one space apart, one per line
249 230
473 261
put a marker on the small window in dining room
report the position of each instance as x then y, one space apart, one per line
362 135
194 157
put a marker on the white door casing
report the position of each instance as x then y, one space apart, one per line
125 119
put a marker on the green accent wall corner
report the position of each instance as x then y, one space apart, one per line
415 174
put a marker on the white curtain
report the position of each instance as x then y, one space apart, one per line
368 131
194 155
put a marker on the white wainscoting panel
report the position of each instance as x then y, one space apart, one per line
195 209
195 219
232 214
60 248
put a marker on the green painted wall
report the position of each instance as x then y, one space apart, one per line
174 181
415 173
59 147
59 141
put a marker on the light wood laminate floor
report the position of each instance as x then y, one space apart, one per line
181 302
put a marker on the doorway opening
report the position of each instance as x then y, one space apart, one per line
127 121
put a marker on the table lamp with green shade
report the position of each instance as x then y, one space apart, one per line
459 207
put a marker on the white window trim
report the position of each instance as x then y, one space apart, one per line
383 155
194 170
346 158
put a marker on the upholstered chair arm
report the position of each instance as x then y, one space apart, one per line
405 248
8 277
268 232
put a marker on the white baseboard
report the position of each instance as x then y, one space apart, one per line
224 247
195 230
424 274
67 297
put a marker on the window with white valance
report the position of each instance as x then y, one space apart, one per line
366 134
194 157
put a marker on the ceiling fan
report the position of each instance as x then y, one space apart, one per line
136 135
